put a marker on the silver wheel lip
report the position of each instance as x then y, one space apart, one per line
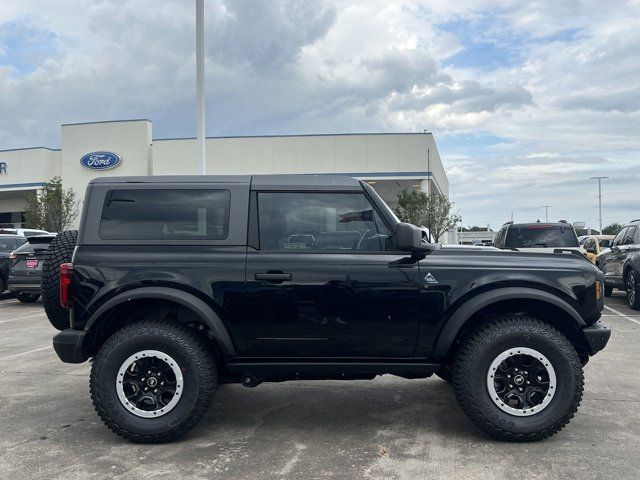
149 354
545 363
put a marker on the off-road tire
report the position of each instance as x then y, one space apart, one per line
24 297
197 364
60 251
483 345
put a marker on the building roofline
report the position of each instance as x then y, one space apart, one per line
298 135
107 121
30 148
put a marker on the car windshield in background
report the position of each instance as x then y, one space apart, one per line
8 244
541 236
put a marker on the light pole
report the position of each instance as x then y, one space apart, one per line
546 212
599 199
200 142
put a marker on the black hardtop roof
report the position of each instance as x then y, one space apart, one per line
271 182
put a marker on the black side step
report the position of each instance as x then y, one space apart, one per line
329 368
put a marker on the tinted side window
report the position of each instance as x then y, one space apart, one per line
605 242
620 237
9 244
629 237
163 214
589 243
320 221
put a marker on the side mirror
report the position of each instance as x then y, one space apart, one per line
592 250
412 239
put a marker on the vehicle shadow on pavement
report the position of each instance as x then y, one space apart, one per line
350 409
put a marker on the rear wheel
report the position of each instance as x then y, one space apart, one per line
632 287
152 381
24 297
518 379
59 252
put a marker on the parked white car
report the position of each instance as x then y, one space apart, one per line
23 232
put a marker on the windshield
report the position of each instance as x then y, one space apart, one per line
541 236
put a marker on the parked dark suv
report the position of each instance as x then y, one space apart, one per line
8 243
181 283
538 237
26 268
621 263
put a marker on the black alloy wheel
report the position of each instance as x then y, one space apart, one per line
631 287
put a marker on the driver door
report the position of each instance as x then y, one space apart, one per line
324 280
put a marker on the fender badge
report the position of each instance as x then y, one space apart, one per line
430 279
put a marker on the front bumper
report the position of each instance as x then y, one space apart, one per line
69 344
597 336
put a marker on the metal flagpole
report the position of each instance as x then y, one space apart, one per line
200 142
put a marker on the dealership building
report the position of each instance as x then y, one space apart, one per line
389 162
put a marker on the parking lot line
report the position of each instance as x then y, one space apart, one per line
620 314
25 353
22 318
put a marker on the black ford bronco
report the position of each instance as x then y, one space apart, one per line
176 284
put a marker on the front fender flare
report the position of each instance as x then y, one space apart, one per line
455 323
200 308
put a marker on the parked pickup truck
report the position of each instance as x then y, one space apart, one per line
174 285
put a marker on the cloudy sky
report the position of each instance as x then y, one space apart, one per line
527 100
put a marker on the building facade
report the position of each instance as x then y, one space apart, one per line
389 162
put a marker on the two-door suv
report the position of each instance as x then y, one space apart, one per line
176 284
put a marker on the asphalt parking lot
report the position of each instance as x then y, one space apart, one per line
386 428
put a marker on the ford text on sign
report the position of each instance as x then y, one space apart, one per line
100 160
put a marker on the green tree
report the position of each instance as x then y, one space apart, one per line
475 228
431 211
612 229
53 208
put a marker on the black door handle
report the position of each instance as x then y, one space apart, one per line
274 277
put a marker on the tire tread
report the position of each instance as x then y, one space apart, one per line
471 348
60 251
194 345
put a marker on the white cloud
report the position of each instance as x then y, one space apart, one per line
558 77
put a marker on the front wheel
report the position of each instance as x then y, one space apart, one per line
518 379
631 286
152 381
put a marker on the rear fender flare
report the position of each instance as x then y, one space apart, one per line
472 306
208 316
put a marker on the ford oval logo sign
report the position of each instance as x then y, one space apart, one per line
100 160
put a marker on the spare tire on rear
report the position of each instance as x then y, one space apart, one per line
60 251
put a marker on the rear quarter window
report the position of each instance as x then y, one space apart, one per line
165 214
